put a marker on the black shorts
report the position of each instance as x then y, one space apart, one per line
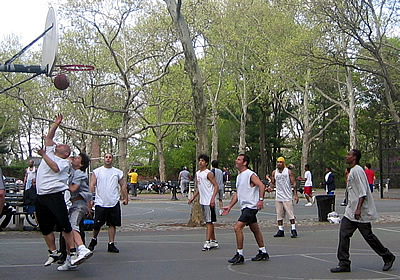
109 215
248 216
51 211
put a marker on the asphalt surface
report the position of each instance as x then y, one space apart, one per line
155 243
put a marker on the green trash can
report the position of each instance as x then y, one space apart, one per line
325 205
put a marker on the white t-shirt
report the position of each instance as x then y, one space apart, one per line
308 177
283 185
206 189
357 186
48 181
107 186
247 195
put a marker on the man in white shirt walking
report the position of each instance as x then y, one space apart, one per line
106 180
250 194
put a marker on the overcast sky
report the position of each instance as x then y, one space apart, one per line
24 18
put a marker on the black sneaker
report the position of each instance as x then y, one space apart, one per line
237 259
260 256
280 233
389 263
340 268
293 233
112 248
53 257
92 244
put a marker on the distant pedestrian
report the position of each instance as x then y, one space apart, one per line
207 189
250 194
283 181
2 191
106 181
359 213
307 185
370 176
30 173
133 182
184 180
329 181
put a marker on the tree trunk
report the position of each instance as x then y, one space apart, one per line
352 109
199 111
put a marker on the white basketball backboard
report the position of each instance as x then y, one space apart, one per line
50 43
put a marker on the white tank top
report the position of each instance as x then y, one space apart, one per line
283 185
205 187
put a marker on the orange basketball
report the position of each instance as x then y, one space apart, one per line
61 81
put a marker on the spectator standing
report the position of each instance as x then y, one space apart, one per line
30 173
219 178
307 185
207 189
184 180
106 181
283 180
250 194
226 174
30 199
133 183
329 181
51 183
359 213
370 176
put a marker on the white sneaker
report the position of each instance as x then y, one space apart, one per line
214 244
82 256
220 212
66 266
206 246
308 204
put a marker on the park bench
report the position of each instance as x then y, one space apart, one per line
17 200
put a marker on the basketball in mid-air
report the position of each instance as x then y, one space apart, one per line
61 81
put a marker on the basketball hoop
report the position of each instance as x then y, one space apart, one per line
75 67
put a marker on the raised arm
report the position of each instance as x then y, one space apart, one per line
52 131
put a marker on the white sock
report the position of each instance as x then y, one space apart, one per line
280 228
80 247
240 251
293 226
262 249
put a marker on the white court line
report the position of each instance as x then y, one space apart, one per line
387 229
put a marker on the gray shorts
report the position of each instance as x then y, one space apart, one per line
209 213
220 193
77 212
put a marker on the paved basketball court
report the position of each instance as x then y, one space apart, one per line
155 244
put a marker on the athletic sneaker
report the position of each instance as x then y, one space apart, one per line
92 244
66 266
206 246
112 248
280 233
83 255
53 257
261 256
294 233
308 204
214 244
237 259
